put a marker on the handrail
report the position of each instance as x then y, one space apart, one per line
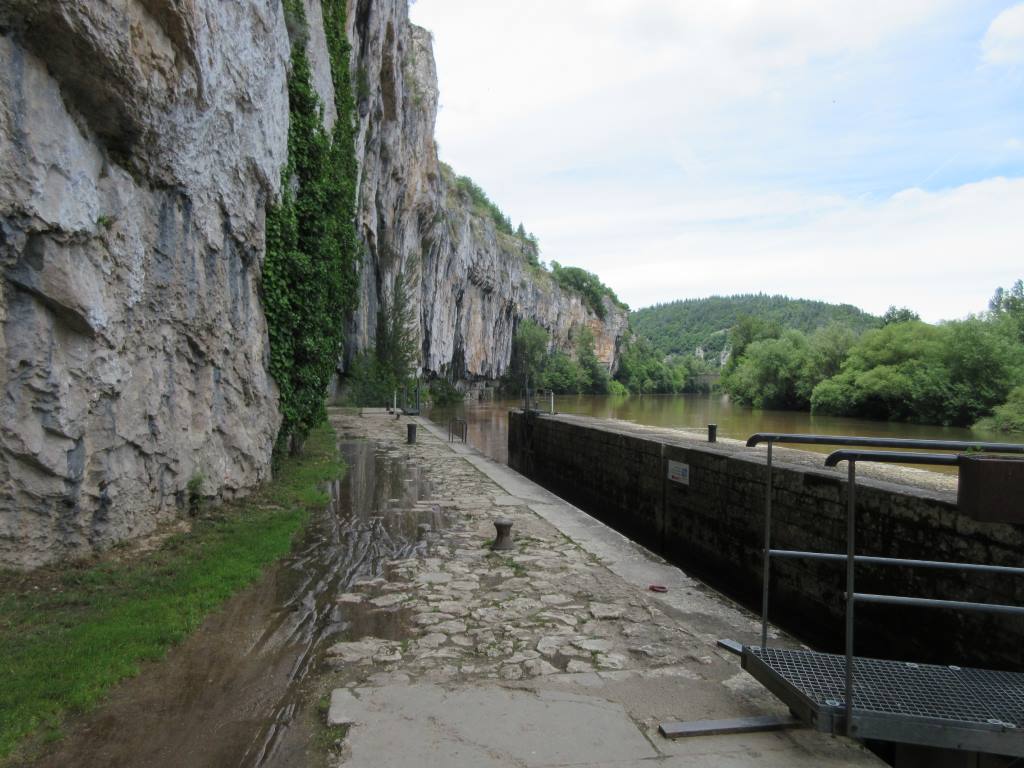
883 442
799 554
892 457
457 426
928 602
851 558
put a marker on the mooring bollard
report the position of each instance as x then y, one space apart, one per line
712 433
503 540
410 436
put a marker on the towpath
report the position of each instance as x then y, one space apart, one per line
553 654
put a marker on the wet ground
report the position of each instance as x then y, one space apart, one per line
435 651
553 653
240 691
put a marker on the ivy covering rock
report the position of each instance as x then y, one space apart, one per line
310 272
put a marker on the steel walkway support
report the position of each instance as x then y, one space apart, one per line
947 707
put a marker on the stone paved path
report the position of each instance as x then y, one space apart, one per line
554 653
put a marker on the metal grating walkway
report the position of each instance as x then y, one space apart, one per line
957 707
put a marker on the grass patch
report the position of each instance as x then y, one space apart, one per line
68 633
328 739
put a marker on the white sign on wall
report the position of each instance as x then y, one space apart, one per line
679 472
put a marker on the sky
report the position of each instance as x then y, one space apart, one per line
869 152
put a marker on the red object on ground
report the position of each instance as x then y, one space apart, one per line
658 588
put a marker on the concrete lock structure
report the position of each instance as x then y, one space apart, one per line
701 505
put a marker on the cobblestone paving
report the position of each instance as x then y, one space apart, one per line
545 607
544 615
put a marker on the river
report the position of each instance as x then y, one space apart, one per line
488 420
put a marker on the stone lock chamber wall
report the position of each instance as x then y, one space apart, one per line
713 528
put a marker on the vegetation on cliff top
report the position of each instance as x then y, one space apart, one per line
69 633
310 271
574 279
588 285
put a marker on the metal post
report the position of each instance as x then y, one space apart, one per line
712 433
552 402
851 531
767 548
394 407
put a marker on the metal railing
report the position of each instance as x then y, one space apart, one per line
851 558
457 428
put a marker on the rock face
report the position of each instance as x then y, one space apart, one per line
474 282
139 143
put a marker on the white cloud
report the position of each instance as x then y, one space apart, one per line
942 253
1004 41
684 149
501 61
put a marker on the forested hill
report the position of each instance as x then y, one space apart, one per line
681 326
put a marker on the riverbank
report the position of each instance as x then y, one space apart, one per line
69 634
553 653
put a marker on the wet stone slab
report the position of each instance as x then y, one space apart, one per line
540 655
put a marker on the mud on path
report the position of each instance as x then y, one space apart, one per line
238 691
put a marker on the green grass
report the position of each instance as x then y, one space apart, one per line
327 739
68 634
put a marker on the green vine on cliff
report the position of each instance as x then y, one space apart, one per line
310 273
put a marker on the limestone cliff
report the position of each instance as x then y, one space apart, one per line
474 281
140 143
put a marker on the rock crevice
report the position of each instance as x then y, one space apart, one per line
140 144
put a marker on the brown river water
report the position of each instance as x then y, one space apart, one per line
487 421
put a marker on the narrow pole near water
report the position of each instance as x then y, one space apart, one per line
851 530
767 549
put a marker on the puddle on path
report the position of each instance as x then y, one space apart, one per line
233 693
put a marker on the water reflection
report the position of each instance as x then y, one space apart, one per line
376 513
238 691
488 421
